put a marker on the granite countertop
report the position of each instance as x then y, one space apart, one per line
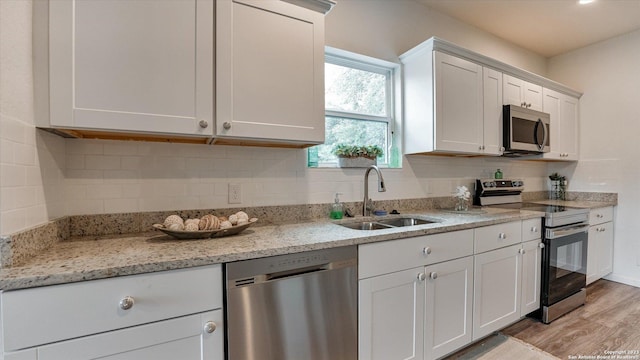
99 257
89 258
578 203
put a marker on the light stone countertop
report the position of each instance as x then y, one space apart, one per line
102 257
579 203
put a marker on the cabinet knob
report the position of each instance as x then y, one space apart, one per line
210 327
226 125
534 229
599 216
523 104
521 251
502 236
433 275
502 149
127 303
426 250
203 124
541 245
422 276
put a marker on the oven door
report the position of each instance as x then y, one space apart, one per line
564 262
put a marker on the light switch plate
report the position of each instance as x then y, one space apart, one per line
235 193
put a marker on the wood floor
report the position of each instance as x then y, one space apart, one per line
609 321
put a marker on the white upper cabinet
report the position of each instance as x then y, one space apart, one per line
451 105
129 66
492 98
269 72
564 125
458 104
521 93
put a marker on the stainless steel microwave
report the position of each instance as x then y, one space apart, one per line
525 131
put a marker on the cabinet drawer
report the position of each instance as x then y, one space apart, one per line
42 315
531 229
601 215
497 236
389 256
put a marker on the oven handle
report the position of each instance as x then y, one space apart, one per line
556 233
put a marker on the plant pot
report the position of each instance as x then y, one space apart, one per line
356 162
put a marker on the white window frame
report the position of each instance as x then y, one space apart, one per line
392 71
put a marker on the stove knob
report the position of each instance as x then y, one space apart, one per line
493 184
487 184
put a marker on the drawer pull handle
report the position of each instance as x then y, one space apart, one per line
534 229
210 327
126 303
502 236
426 250
599 215
421 277
433 275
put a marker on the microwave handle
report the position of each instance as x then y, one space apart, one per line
544 134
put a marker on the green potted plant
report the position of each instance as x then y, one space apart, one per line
357 156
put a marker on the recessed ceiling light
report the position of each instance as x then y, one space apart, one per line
584 2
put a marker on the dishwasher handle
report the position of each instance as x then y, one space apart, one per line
296 272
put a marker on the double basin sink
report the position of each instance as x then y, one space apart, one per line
386 223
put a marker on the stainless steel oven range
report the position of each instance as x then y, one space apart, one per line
564 256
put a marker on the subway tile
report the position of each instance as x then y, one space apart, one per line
7 150
120 205
104 191
84 147
75 161
12 175
119 148
101 162
13 220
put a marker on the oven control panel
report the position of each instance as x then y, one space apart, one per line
488 185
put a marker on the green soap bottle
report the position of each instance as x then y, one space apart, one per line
337 210
498 174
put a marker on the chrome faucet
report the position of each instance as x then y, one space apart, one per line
365 205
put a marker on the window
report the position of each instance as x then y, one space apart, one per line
359 106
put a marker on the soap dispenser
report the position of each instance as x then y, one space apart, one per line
337 210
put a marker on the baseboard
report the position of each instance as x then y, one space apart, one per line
623 279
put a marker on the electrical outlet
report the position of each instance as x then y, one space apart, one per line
235 193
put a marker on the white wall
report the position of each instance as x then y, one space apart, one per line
30 164
388 28
93 176
609 75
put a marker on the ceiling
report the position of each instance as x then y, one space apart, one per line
546 27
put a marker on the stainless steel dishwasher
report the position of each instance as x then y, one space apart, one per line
293 307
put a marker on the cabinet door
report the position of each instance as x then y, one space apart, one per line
568 128
531 273
492 99
497 288
391 316
459 107
564 125
600 251
521 93
270 71
140 66
448 306
551 105
181 338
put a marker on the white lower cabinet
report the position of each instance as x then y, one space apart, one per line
391 316
600 245
185 338
448 306
497 287
471 283
164 315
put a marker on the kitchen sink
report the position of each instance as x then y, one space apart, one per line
386 223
